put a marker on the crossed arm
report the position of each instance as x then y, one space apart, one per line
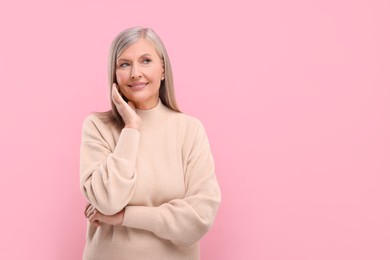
95 217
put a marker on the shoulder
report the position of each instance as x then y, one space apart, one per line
190 128
194 136
187 122
99 120
93 117
99 124
93 121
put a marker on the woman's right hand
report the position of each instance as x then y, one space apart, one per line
126 110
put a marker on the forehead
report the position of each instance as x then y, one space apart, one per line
139 48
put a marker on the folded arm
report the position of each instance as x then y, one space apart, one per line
186 220
107 176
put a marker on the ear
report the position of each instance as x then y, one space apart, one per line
163 70
163 74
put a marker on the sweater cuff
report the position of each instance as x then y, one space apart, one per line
139 217
127 146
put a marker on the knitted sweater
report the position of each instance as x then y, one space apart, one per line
163 175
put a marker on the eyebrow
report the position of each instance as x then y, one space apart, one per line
124 59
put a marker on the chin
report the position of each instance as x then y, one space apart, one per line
144 101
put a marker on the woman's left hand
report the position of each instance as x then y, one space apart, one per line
95 217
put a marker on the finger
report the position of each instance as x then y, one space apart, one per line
95 222
131 104
117 95
114 95
91 211
86 209
94 219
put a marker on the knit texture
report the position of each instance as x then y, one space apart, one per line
163 175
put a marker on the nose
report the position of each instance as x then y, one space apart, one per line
135 72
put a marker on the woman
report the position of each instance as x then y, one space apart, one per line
146 169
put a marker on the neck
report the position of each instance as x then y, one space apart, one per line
153 117
147 104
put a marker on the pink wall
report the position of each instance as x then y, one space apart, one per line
294 96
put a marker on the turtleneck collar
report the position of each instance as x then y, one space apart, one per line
154 116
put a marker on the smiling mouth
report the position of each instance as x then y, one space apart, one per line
138 86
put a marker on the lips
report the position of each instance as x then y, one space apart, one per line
138 85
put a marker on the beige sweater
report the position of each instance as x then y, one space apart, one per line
163 175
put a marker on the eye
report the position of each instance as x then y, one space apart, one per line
124 65
146 61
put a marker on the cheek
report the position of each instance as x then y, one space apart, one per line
121 76
158 73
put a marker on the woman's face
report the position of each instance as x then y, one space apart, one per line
139 71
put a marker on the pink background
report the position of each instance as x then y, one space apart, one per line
294 96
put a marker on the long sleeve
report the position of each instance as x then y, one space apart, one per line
107 174
184 221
